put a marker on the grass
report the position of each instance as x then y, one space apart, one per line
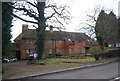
59 60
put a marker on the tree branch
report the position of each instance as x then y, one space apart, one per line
24 19
58 21
50 16
31 4
93 17
48 6
34 26
29 12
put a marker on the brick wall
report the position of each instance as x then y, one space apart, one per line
25 46
60 45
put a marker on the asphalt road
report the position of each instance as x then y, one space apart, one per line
107 71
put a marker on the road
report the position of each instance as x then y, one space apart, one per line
106 71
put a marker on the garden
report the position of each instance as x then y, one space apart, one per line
62 60
94 54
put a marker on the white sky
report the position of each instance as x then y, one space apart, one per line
78 10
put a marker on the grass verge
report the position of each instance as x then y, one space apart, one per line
59 60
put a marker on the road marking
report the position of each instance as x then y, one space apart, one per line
115 79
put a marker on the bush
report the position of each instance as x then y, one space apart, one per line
74 55
59 54
107 54
93 51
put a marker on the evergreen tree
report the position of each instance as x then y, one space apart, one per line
6 26
106 28
118 32
112 28
100 27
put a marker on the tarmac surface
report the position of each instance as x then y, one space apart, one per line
107 71
55 71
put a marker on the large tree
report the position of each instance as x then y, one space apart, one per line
42 16
6 26
91 18
100 27
112 28
88 25
106 28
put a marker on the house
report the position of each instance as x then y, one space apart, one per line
57 42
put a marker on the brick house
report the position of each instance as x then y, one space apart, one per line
57 42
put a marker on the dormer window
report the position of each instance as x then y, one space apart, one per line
73 41
69 39
88 40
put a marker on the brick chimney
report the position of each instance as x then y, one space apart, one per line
24 27
51 28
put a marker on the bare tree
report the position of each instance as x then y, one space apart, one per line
42 14
90 23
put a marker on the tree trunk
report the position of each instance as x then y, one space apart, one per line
40 43
103 44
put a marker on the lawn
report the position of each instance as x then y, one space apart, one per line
67 60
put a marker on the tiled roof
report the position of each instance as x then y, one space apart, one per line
56 35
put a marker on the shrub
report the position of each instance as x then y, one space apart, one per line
59 54
74 55
93 51
107 54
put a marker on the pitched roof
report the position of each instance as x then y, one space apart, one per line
92 42
57 35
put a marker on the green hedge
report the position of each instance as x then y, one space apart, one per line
93 51
107 54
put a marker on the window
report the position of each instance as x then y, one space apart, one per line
50 41
88 40
29 41
50 51
60 50
79 41
72 50
80 50
60 41
29 51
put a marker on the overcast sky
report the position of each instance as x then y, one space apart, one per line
78 10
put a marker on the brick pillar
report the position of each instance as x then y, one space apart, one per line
24 27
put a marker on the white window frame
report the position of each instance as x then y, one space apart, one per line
80 50
29 41
50 51
60 41
29 50
50 41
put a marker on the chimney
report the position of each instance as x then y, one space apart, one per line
51 28
24 27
